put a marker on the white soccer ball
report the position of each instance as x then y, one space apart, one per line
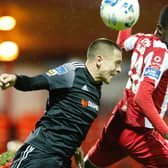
119 14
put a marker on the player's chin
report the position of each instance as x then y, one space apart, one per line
108 80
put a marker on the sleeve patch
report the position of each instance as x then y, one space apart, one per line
61 70
51 72
57 71
152 73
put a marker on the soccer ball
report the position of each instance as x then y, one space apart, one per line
119 14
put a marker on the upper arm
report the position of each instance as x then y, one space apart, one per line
130 42
60 77
155 66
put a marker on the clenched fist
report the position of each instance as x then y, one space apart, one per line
7 80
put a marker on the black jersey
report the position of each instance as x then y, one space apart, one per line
72 105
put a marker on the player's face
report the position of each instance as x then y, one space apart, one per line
110 66
162 33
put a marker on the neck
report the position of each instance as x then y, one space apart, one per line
160 37
93 71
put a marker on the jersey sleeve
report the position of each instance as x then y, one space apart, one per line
26 83
130 43
155 66
125 40
60 77
122 36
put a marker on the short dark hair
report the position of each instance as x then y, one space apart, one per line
163 19
95 45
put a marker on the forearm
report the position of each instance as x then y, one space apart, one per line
26 83
122 36
144 99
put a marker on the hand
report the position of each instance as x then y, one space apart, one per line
7 80
79 158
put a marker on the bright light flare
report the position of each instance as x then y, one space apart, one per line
8 51
7 23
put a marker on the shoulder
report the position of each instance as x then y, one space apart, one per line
131 41
141 36
72 66
151 40
64 69
62 76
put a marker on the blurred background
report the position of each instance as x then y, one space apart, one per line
37 35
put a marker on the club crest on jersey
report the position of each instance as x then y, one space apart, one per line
57 71
152 73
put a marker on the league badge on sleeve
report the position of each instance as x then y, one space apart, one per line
51 72
61 70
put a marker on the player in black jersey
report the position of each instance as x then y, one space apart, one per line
73 103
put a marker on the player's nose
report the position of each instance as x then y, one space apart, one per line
118 69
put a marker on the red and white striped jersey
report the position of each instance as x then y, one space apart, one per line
149 63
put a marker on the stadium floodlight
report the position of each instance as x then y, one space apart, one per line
7 23
8 51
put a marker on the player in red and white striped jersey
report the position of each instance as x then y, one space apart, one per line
136 127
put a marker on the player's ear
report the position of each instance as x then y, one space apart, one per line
159 30
99 61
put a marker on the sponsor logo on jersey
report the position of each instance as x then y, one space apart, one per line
90 104
157 59
57 71
152 73
155 65
156 62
